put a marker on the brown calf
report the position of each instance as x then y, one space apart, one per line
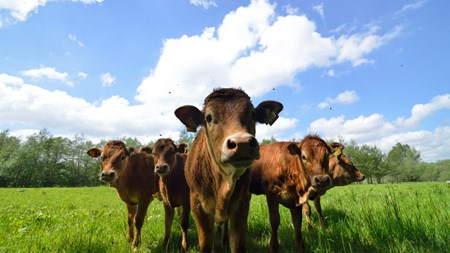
217 165
172 186
134 179
342 172
284 174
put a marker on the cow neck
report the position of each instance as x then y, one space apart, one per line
168 183
224 184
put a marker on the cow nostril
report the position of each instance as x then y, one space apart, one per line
253 143
231 144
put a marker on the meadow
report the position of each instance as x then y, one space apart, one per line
407 217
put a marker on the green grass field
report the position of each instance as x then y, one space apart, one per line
409 217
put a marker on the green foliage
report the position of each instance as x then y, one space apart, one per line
408 217
268 141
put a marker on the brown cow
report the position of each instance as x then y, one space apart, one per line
134 179
284 174
342 172
217 165
172 186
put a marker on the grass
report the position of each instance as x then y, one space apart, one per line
409 217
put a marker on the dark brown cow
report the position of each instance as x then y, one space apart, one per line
182 148
284 174
217 165
342 172
134 179
172 186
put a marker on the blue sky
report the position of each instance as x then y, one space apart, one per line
354 70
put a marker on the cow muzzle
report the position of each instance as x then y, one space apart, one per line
321 181
162 169
108 176
240 150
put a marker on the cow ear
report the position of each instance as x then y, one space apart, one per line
131 151
294 149
267 111
94 152
146 149
190 116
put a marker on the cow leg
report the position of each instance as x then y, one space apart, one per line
204 224
184 226
307 211
274 215
139 220
296 214
222 230
238 226
319 211
168 220
131 210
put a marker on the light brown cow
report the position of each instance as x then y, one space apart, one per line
342 172
217 165
284 174
172 186
134 179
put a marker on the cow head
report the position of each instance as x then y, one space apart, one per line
342 170
114 156
228 119
314 154
164 151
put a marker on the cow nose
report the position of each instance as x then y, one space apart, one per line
107 176
161 168
362 178
321 181
245 143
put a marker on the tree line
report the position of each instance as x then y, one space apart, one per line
43 160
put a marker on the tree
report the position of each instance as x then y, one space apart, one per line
186 137
402 163
268 141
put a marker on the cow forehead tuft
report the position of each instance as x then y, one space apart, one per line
226 94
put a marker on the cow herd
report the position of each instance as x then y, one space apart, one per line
223 167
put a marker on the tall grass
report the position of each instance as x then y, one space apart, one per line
410 217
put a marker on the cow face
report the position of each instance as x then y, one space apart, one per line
314 155
114 156
164 151
228 119
342 170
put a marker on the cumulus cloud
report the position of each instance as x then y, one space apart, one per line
114 117
13 11
253 48
205 4
107 79
421 111
50 73
346 97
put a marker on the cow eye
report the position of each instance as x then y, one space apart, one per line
304 158
122 157
209 118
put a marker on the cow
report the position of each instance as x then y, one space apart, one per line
285 173
217 165
173 188
342 172
133 176
182 148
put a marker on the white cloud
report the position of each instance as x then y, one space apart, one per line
346 97
411 6
205 4
291 10
50 73
319 9
74 38
354 47
421 111
19 10
277 129
114 117
82 75
107 79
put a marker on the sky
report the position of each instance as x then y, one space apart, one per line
377 73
